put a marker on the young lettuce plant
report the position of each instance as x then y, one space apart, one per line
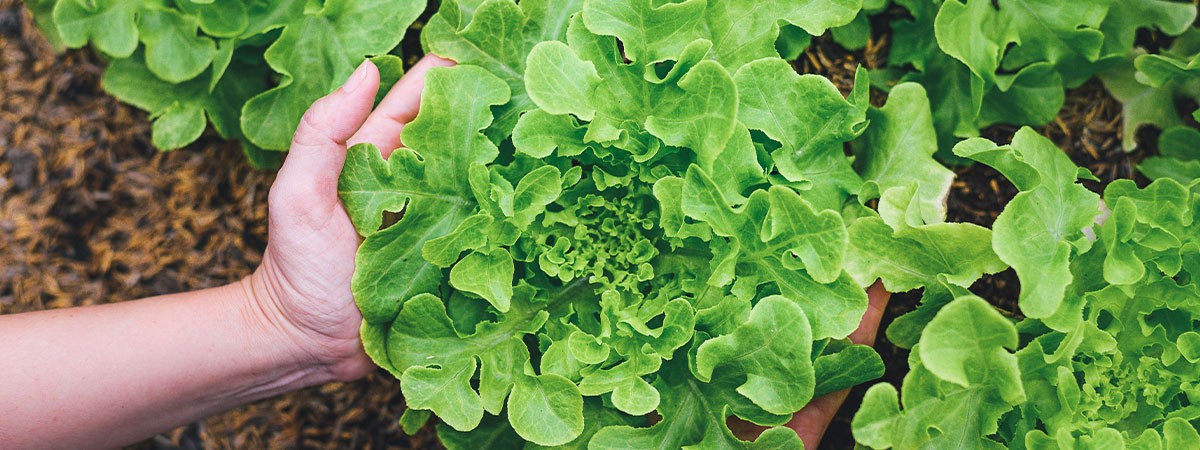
605 230
1149 88
1010 61
1113 363
1149 85
190 62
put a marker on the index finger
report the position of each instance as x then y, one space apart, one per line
398 107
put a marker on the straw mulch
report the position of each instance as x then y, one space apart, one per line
91 213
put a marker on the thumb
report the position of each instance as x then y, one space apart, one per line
318 148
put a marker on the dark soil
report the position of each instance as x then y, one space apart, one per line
90 213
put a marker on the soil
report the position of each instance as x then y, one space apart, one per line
91 213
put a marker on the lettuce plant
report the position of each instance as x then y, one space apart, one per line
1009 61
607 232
1148 85
1151 88
1179 156
1106 354
250 68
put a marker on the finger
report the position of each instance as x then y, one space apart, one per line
868 327
398 107
319 146
811 421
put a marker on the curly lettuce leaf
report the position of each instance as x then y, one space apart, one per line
897 150
1042 227
111 25
811 137
778 368
314 54
690 107
962 379
498 36
174 51
958 99
181 111
426 180
907 255
842 365
740 31
768 234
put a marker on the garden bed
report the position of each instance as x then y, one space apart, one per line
92 213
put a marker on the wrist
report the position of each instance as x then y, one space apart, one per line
290 351
307 336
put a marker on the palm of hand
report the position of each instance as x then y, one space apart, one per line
309 261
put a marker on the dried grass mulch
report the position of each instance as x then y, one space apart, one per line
91 213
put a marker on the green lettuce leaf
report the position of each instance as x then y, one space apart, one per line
315 53
962 379
811 138
740 31
1148 85
1043 226
181 111
897 150
425 180
498 36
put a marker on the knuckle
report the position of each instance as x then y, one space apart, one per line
399 118
313 128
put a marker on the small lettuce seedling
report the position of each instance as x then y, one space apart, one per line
250 68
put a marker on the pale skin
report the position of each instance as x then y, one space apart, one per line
110 375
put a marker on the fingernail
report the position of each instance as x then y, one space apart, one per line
356 79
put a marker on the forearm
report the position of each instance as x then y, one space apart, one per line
103 376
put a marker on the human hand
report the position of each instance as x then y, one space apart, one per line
302 288
810 423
